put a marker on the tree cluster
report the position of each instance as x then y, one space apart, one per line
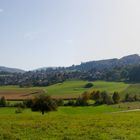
129 73
43 104
104 98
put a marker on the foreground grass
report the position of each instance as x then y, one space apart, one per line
68 123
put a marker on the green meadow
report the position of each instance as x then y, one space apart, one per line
75 88
133 89
70 123
104 122
67 89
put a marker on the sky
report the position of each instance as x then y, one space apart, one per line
44 33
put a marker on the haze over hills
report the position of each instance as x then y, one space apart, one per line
99 65
102 64
11 70
124 69
108 63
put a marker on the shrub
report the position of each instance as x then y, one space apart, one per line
28 103
81 102
19 105
44 104
83 99
106 99
116 97
129 98
59 102
101 97
85 96
18 110
96 96
88 85
136 98
70 103
2 102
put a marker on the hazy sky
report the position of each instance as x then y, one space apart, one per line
38 33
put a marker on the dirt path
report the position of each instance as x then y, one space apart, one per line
132 110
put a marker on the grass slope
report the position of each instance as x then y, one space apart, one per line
70 123
75 88
68 89
128 105
133 89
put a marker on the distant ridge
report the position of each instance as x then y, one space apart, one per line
133 59
99 65
10 70
108 63
124 69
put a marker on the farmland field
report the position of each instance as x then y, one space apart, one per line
68 89
14 92
75 88
70 123
133 89
104 122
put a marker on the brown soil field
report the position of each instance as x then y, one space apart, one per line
20 95
24 95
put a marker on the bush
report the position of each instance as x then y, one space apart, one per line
83 99
44 104
101 97
18 110
96 96
88 85
130 98
81 102
116 97
59 102
106 98
136 98
28 103
2 102
19 105
70 103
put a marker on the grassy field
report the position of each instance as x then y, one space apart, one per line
70 123
75 88
128 105
68 89
133 89
14 92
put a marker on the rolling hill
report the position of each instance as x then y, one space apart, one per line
108 63
11 70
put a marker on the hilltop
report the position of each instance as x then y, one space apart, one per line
133 59
11 70
108 63
124 69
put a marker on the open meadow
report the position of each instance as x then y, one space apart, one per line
103 122
69 69
67 89
70 123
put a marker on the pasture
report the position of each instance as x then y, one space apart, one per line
104 122
67 89
16 93
133 89
70 123
75 88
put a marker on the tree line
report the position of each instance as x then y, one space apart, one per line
53 76
44 103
